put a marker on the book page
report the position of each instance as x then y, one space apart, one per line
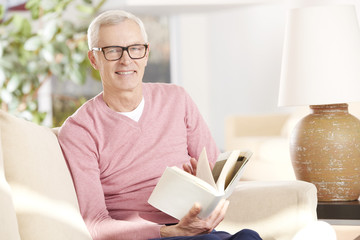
238 170
177 191
191 178
203 170
227 168
219 165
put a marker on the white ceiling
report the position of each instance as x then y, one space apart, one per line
180 6
166 7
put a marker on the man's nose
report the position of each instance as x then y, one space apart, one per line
125 58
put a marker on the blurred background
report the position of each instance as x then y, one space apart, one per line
225 53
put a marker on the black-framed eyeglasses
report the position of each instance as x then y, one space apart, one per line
113 53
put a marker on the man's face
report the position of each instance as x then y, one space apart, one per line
124 74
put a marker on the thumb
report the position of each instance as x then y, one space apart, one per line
195 210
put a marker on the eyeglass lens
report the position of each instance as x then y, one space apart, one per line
135 52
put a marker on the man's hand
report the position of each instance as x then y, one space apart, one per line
191 168
191 224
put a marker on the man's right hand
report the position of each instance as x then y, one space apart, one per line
191 224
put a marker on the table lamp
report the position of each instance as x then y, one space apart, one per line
321 68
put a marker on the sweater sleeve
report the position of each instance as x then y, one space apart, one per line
198 133
80 152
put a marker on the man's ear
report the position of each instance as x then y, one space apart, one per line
147 54
92 59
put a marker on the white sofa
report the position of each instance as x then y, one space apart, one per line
38 200
265 135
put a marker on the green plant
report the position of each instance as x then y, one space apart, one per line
40 47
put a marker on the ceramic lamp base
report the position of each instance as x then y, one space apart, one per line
325 150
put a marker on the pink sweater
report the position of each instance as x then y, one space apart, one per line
116 162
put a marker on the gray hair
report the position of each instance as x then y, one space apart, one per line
108 18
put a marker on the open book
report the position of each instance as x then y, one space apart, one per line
177 191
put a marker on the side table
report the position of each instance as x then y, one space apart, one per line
343 216
339 210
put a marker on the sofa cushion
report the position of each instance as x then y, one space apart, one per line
43 193
8 222
275 209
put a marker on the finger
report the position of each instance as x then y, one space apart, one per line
194 211
193 163
212 165
218 213
190 168
187 168
221 214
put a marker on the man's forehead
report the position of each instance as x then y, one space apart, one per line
125 24
125 33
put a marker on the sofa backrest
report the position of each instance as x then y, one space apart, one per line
42 191
8 221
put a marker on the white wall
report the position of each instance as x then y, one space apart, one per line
190 46
230 61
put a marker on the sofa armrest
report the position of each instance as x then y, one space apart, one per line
270 160
277 210
255 125
252 126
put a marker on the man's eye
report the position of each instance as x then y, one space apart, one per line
135 48
113 50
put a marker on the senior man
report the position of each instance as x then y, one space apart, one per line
118 144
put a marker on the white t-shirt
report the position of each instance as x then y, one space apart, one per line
136 113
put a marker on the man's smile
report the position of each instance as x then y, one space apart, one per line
125 72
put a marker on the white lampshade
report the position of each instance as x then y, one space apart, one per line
321 56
